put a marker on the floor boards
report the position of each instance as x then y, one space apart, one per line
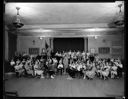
61 87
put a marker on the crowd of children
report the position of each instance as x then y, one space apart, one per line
75 64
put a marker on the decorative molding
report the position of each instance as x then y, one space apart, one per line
68 26
66 30
69 33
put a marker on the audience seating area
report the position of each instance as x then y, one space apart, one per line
77 64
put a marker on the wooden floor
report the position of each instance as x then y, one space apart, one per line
61 87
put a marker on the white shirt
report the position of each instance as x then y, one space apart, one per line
83 53
77 53
79 67
21 65
88 54
84 66
69 53
114 68
54 60
57 54
36 66
60 66
12 63
120 65
16 67
73 66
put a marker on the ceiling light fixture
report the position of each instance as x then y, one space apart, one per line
17 23
119 18
96 37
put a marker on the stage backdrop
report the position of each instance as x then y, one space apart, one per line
66 44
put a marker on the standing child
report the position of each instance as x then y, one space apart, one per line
60 66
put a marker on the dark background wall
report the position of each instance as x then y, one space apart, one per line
12 44
12 47
66 44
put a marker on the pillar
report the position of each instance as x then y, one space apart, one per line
86 44
6 43
52 43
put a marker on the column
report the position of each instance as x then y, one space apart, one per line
52 43
86 44
6 43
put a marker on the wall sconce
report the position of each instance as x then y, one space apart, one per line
40 38
33 42
104 41
96 37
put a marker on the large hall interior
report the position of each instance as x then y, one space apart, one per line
64 49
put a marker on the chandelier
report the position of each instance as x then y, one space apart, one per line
118 20
120 17
17 23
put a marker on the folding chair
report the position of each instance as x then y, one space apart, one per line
10 95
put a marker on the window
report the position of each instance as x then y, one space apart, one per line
104 50
117 50
33 51
117 43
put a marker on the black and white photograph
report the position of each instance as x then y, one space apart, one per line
64 49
